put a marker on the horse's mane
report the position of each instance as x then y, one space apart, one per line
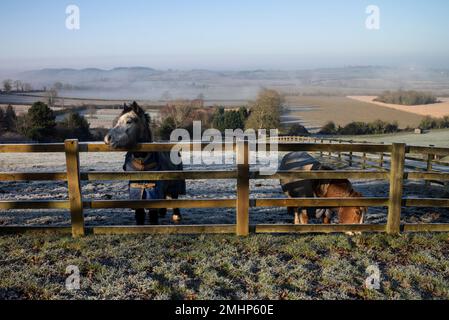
143 115
341 187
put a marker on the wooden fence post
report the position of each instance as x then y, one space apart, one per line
396 188
350 155
242 228
321 152
339 153
364 161
74 186
430 157
382 158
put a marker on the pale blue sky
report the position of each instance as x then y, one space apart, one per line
227 34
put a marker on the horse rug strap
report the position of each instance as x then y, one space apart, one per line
142 185
140 164
139 190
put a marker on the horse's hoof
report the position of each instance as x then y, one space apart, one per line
176 218
352 234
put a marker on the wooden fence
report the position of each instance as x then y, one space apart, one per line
425 159
395 174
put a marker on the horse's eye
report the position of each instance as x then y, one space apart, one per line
129 121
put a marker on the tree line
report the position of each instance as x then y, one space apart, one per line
17 85
434 123
263 113
381 127
360 128
39 123
408 98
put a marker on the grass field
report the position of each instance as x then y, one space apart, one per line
225 267
438 138
343 110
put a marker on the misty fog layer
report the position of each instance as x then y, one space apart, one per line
147 83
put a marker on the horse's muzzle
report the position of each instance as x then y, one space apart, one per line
107 139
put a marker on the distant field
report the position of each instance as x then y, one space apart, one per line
343 110
439 138
435 110
22 108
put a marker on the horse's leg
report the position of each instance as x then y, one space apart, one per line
154 216
296 221
162 212
326 219
290 211
140 216
304 217
301 218
152 213
140 213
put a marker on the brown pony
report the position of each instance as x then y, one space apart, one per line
339 189
334 188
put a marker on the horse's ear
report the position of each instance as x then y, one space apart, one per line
136 108
125 107
356 194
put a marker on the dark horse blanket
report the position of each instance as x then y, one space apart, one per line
302 188
153 161
298 161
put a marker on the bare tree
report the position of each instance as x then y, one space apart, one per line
92 111
51 96
180 111
18 85
7 85
266 111
27 87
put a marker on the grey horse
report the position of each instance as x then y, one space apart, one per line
132 127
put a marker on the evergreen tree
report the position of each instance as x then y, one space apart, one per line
10 118
166 128
39 122
77 127
218 119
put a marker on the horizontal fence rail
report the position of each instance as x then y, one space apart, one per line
390 162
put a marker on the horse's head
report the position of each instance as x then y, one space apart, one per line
131 127
352 215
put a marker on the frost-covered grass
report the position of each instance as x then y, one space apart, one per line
225 267
214 267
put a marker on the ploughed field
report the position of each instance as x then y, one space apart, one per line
315 111
196 189
438 110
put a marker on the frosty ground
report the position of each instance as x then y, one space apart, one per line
211 266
